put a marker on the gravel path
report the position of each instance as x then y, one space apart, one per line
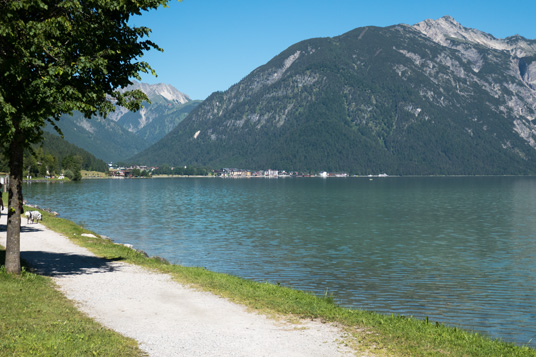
166 318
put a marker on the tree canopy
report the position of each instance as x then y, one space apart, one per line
58 56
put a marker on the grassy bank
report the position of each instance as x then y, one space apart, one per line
93 174
374 333
36 319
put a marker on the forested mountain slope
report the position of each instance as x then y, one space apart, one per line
433 98
48 156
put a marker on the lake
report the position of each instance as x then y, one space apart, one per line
460 250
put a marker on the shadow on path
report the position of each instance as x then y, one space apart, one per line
23 229
55 264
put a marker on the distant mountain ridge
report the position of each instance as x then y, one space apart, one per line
446 29
124 133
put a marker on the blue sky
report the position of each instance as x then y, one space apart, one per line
210 45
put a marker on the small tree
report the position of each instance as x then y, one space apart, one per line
58 56
73 163
50 163
69 174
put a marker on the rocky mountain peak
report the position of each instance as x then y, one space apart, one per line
446 28
159 94
166 91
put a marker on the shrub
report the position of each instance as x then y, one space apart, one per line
69 174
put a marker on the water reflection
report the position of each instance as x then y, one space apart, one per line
459 250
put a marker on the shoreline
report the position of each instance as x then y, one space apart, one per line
128 298
374 331
274 177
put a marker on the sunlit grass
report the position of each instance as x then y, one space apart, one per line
36 319
92 174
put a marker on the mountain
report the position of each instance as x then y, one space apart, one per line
124 133
168 108
60 148
104 138
433 98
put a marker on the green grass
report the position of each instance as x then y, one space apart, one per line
93 174
36 319
373 332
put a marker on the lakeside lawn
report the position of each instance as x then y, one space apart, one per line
373 333
93 174
36 319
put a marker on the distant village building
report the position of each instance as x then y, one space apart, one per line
124 172
271 173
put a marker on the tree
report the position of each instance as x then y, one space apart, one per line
49 163
58 56
73 163
69 174
30 164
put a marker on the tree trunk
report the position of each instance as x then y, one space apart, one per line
16 154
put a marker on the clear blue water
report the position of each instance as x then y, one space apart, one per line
459 250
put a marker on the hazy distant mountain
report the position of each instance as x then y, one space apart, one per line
124 133
433 98
168 108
